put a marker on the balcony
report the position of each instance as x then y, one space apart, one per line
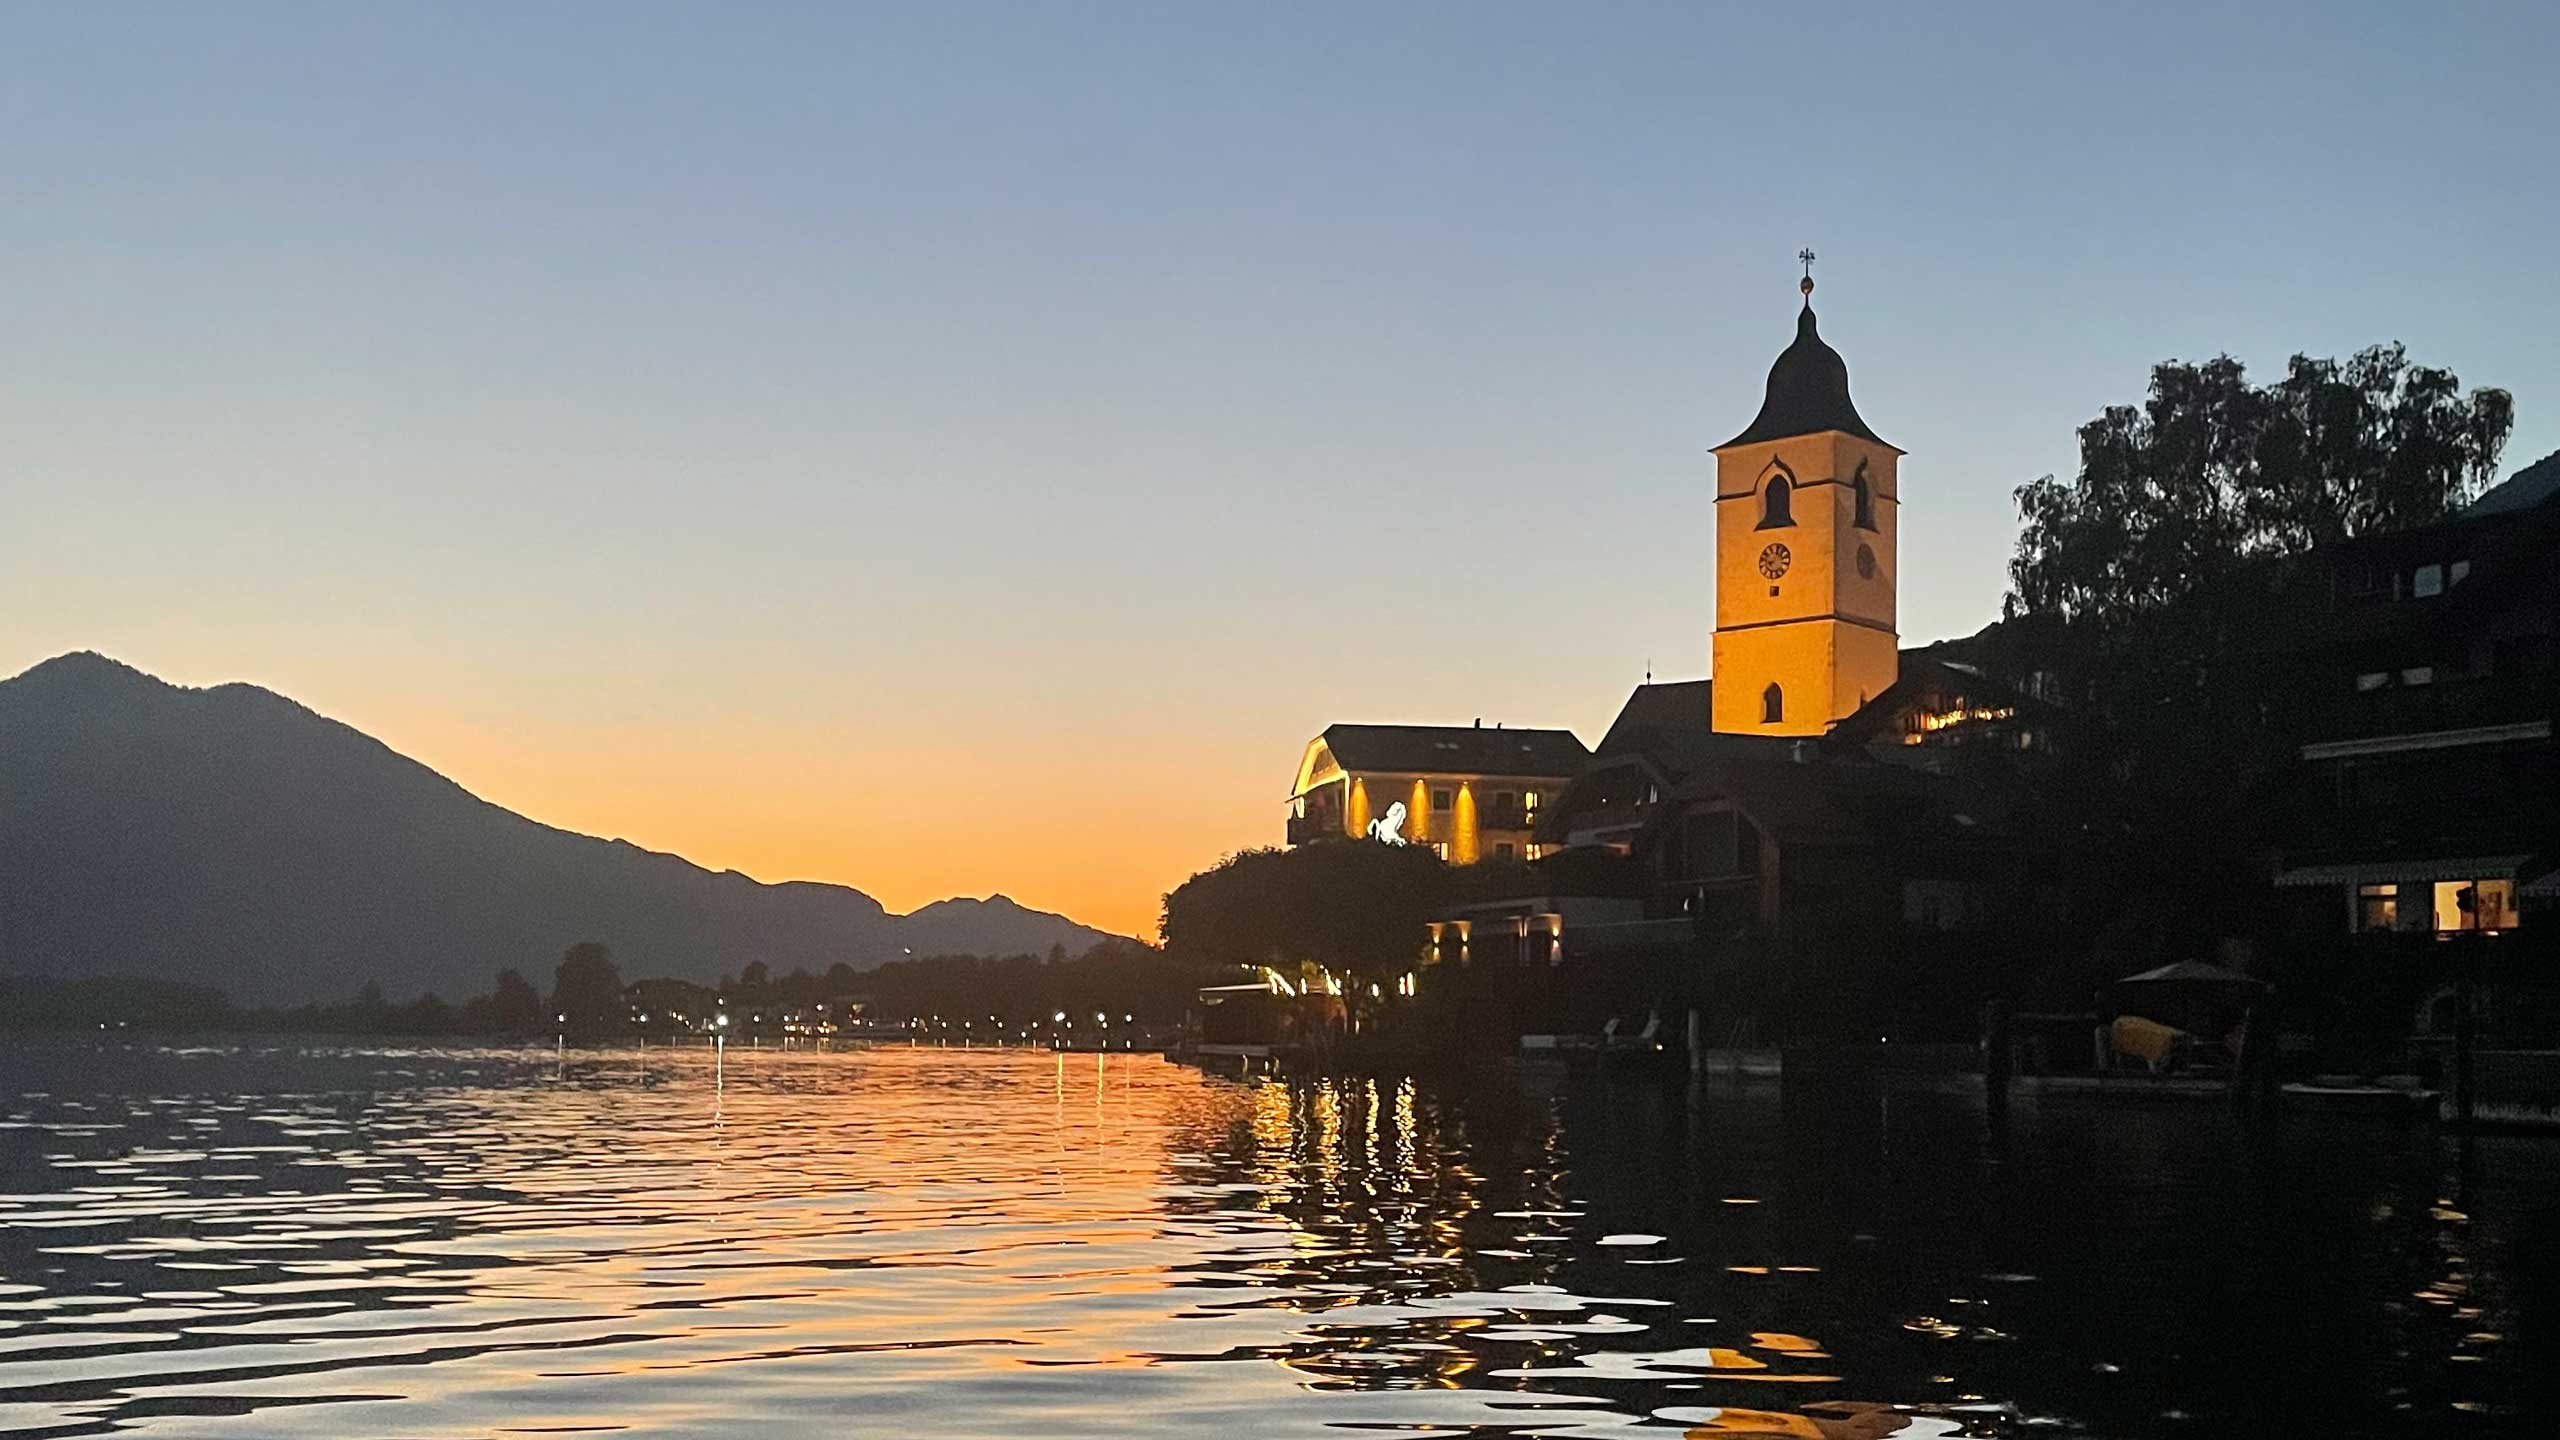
1304 829
2451 703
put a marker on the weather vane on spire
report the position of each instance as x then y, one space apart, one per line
1806 255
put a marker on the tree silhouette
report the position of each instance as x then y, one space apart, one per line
2211 471
1359 908
587 987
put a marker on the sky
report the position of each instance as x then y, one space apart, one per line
954 449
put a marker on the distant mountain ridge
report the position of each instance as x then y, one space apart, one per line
230 836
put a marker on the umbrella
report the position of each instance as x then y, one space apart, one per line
2197 995
2199 974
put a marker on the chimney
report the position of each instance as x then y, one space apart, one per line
1479 722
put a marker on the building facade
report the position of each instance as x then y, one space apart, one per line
1806 504
2427 797
1468 793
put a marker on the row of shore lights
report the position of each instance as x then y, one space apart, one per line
1062 1020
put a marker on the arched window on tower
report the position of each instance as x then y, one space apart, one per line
1865 496
1773 705
1776 503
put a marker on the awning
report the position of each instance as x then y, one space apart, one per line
2383 872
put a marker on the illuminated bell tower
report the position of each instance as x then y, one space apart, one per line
1805 559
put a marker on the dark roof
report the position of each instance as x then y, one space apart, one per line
1921 674
1655 713
1455 749
1808 393
1671 727
2525 489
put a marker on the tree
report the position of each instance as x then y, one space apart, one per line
514 1005
753 980
2148 590
2211 472
1359 908
587 986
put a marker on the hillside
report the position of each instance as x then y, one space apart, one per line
230 836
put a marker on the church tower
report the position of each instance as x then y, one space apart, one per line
1805 564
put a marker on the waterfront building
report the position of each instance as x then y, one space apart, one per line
2426 800
1802 832
1468 792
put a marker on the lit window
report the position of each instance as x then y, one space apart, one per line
2377 907
1773 705
2453 574
2372 680
2418 675
1529 802
2428 581
2475 904
1440 848
1536 852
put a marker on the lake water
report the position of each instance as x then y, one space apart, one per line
272 1239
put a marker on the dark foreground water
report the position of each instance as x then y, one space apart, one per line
264 1239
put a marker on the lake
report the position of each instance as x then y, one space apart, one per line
274 1238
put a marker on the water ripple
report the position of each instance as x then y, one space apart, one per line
278 1240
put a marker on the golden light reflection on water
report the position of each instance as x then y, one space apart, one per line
278 1242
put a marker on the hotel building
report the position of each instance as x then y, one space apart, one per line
1468 792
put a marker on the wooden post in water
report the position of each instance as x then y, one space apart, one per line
2465 1036
1995 1058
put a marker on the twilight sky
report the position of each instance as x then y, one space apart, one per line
956 448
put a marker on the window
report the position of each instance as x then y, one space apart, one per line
2428 581
1776 503
1773 705
2377 907
2475 904
2453 573
1866 506
1444 799
1536 852
1529 803
2372 680
2418 675
1440 848
1502 850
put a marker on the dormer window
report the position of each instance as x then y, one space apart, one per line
1777 503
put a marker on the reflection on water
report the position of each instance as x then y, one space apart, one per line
253 1239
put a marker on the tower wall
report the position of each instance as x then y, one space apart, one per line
1824 628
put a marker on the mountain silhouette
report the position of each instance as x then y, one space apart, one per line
229 836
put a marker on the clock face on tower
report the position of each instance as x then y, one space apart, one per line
1866 562
1773 560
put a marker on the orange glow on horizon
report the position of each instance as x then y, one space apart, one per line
907 834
